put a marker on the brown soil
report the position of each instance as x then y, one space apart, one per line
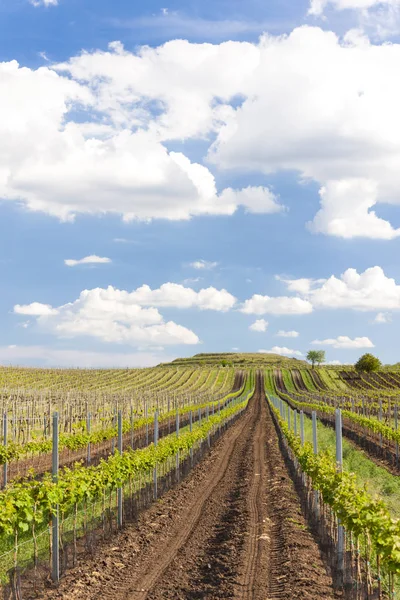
233 529
280 384
315 376
298 381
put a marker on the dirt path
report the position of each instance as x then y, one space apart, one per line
233 529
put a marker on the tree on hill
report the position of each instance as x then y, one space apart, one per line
368 363
316 357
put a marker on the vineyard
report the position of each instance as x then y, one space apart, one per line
216 476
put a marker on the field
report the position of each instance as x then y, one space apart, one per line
200 479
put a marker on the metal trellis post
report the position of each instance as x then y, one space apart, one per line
120 489
55 537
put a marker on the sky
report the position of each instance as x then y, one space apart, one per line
185 177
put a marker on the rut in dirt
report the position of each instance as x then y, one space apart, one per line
233 529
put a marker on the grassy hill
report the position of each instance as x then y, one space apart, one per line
248 359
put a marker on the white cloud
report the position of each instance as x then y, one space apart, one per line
124 241
114 315
87 260
55 357
191 280
258 200
333 362
118 155
332 130
44 2
282 350
111 315
288 334
383 318
203 264
370 290
343 341
345 211
270 106
177 296
281 305
317 7
36 309
259 325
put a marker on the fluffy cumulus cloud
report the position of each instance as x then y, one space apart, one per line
345 211
288 334
111 315
267 107
259 325
114 315
339 128
36 309
87 260
203 264
116 159
259 200
280 305
370 290
178 296
343 341
282 351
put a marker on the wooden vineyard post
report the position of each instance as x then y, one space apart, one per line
5 466
315 449
55 537
177 454
155 443
380 420
120 489
339 466
88 422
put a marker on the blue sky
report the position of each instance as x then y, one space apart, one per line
248 177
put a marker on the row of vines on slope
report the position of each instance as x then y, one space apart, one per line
26 507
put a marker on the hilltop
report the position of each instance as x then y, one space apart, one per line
243 359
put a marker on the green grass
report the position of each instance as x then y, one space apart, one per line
379 482
310 385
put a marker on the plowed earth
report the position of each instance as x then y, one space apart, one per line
233 529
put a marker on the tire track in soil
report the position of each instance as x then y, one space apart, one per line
233 529
220 559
